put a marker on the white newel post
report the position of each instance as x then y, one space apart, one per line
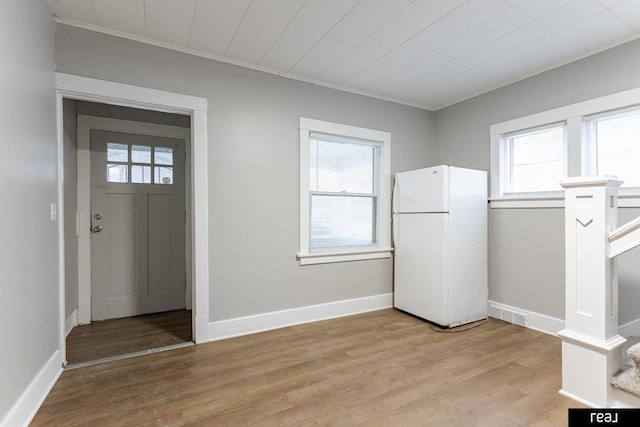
590 340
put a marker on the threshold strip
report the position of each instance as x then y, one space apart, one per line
71 366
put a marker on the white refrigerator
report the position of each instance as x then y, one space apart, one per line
440 244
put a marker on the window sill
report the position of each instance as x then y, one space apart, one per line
626 199
331 257
529 201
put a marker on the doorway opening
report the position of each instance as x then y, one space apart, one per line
174 126
136 295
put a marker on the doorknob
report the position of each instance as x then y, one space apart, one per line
96 229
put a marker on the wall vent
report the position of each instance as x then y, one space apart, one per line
506 315
519 319
494 311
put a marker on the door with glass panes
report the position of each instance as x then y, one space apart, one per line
137 224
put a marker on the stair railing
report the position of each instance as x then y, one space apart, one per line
590 340
624 238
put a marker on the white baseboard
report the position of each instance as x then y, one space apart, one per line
27 406
71 322
551 325
577 399
536 321
279 319
630 328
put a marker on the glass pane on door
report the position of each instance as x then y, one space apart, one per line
163 175
141 174
140 154
117 152
117 173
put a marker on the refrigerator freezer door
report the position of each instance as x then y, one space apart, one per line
420 267
422 190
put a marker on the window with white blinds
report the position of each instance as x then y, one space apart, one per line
611 146
534 160
344 185
600 136
344 193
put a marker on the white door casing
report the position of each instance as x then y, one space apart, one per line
88 89
138 225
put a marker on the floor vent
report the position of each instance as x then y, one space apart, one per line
494 311
519 319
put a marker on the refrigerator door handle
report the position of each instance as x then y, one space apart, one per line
394 233
394 215
394 196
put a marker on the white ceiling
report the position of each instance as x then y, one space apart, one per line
426 53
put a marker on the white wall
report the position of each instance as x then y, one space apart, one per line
526 246
253 167
29 297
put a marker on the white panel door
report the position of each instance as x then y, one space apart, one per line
420 265
137 223
421 190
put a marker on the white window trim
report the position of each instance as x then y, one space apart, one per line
383 249
573 115
506 139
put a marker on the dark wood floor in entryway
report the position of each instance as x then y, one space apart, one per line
117 337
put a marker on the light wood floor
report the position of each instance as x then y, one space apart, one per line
128 335
382 368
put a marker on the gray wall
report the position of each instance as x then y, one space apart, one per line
526 246
70 181
29 305
253 167
131 114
